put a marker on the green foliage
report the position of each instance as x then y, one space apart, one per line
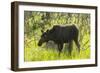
36 21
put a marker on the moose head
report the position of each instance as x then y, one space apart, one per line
44 37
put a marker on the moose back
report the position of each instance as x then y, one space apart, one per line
60 35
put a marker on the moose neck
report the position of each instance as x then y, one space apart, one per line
52 38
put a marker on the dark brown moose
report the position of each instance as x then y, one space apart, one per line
60 35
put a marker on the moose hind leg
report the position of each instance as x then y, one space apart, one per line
77 44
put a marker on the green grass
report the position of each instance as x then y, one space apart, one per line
32 52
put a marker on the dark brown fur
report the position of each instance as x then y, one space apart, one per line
61 35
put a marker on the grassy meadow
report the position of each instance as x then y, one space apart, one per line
34 22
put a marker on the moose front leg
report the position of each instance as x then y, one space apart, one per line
60 47
70 47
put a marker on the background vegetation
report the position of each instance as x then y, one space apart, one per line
35 21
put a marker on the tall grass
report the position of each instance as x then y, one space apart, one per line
32 52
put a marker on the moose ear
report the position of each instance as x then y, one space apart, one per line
42 31
47 31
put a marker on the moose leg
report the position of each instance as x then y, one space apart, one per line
60 47
77 44
70 48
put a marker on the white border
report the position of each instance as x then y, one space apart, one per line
23 64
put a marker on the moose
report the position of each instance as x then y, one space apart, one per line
60 35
